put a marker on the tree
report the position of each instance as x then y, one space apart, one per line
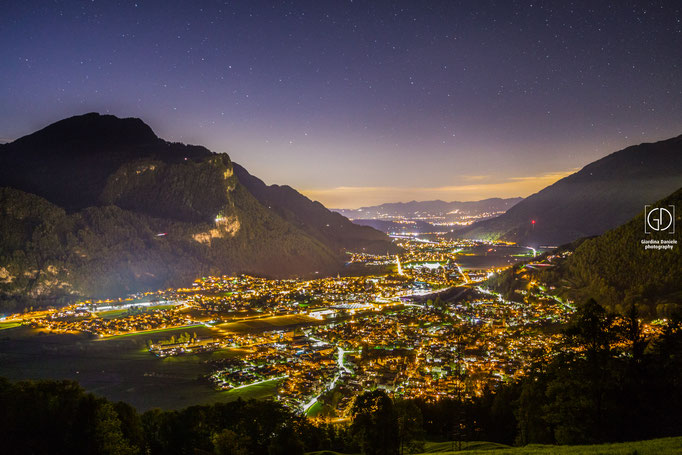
227 442
531 411
664 381
584 389
410 426
374 423
286 442
131 424
590 330
108 435
459 423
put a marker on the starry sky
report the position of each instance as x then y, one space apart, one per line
358 103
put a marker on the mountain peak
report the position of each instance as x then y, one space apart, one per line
602 195
93 129
69 161
115 209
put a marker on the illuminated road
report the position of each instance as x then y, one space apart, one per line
331 385
342 366
466 278
340 360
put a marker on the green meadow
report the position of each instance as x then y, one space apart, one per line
663 446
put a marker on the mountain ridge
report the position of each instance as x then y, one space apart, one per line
615 268
436 205
600 196
312 217
103 215
610 267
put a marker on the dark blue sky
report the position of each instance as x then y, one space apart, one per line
359 102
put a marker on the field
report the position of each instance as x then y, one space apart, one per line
9 325
268 323
314 410
113 314
119 368
663 446
257 391
184 328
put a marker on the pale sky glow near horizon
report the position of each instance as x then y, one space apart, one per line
364 102
473 188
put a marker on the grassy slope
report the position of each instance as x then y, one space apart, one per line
661 446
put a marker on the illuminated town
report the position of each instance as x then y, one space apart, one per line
425 327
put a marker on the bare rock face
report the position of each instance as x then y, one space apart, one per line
186 191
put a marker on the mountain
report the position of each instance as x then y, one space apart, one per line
602 195
617 268
441 211
329 227
95 205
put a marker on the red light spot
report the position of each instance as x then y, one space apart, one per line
532 221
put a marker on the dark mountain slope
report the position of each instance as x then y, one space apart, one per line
96 205
602 195
70 161
49 256
312 217
615 268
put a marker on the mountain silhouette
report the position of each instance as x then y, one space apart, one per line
602 195
95 205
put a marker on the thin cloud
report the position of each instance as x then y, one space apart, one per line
475 178
359 196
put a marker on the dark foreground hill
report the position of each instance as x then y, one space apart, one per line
47 417
602 195
95 205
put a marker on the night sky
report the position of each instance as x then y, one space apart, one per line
356 103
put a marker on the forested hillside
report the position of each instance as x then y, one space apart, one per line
615 268
96 206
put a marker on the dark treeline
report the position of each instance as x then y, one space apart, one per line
606 382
